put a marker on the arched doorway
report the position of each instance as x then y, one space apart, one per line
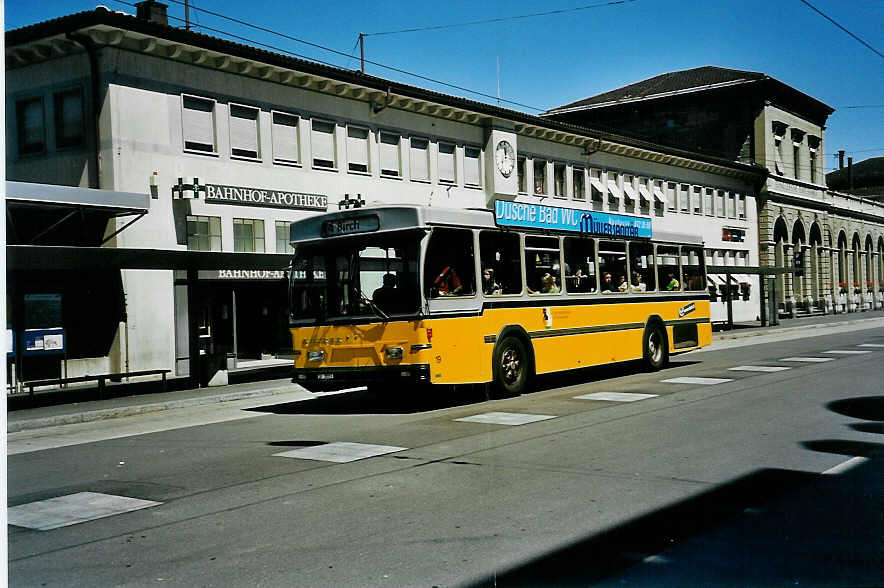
879 278
815 266
799 291
869 273
842 273
856 276
780 238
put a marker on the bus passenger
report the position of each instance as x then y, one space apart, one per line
622 286
490 287
548 284
385 296
447 283
673 283
637 284
607 284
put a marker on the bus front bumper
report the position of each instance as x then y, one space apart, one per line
362 376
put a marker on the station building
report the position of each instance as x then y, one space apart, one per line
753 118
234 143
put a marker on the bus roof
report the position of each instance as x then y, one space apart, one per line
387 218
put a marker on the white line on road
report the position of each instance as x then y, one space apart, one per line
846 465
871 345
759 368
64 511
846 352
506 418
340 452
706 381
809 359
615 396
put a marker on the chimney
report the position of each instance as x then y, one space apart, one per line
850 172
841 159
152 11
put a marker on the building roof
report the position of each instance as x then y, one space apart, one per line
698 79
43 40
868 173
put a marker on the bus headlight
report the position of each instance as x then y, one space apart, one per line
394 353
315 355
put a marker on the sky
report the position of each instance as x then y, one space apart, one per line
585 48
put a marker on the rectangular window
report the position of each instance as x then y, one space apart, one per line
446 163
199 124
419 159
741 206
539 176
629 191
282 237
641 263
542 267
449 265
683 196
707 201
579 175
596 186
357 149
613 191
580 275
203 233
779 133
693 268
244 132
31 126
612 267
696 200
731 205
501 263
284 131
248 235
69 128
668 270
471 167
559 180
671 201
390 161
322 142
719 203
520 171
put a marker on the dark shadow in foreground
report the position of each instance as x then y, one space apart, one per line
773 527
870 408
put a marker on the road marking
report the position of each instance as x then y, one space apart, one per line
846 465
340 452
846 352
615 396
69 510
759 368
809 359
506 418
706 381
871 345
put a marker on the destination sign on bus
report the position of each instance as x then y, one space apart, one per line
538 216
351 225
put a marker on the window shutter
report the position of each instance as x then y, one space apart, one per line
420 169
357 149
390 155
199 124
323 143
446 162
244 131
285 137
471 166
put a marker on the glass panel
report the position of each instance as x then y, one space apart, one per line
69 118
694 268
641 261
580 274
539 177
613 267
543 270
579 183
668 268
501 263
450 264
520 167
559 177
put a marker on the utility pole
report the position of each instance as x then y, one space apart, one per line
186 15
362 51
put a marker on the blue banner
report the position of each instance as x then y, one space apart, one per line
588 222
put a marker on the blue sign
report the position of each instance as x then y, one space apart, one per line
588 222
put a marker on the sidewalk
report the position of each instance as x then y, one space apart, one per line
79 412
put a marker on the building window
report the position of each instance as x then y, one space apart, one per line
579 183
613 191
779 133
69 128
446 163
284 132
671 203
813 143
597 189
282 237
31 126
559 180
741 206
471 167
244 132
696 200
357 149
707 201
797 140
539 176
731 205
199 124
322 141
683 196
248 235
390 161
629 195
203 233
719 203
520 171
419 159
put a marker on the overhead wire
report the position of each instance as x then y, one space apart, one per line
831 20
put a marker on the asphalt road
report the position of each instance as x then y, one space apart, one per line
699 484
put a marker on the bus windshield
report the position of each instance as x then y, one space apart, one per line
356 277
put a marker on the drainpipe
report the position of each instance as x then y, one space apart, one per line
92 53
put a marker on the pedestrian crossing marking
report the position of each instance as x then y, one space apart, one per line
340 452
846 352
615 396
704 381
871 345
809 359
759 368
71 509
506 418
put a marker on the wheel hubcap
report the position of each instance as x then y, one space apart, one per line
510 365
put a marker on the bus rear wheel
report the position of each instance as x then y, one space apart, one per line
655 347
512 367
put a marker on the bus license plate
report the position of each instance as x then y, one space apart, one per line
325 376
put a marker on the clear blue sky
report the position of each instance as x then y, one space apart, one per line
547 61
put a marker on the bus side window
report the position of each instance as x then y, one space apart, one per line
668 271
693 267
612 267
641 262
501 263
450 264
543 271
580 274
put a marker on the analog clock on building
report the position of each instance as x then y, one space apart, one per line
505 158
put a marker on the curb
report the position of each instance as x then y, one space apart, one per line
137 409
759 331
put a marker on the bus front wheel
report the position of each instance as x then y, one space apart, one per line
655 347
512 366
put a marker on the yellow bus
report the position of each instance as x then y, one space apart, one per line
403 294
